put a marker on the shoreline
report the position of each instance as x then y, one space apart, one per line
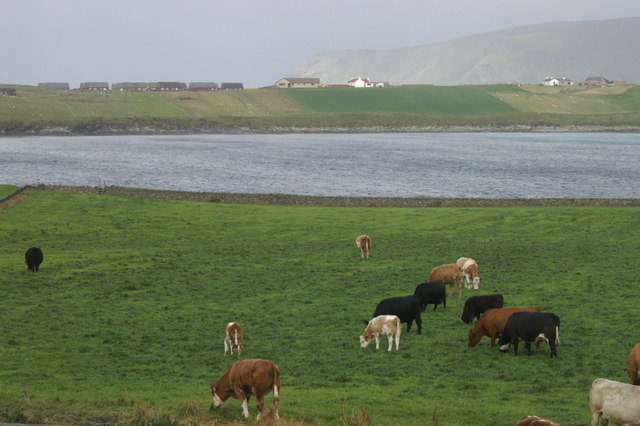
342 201
275 130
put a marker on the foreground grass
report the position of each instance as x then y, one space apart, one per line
124 321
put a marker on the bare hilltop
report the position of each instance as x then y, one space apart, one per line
527 55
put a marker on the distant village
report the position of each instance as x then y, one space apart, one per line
283 83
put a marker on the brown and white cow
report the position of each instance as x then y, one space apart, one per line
233 338
448 274
364 244
470 275
245 378
388 325
538 421
612 401
492 324
633 365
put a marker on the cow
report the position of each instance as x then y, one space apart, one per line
431 292
633 365
492 324
33 258
531 327
245 378
388 325
364 244
233 338
407 308
477 305
612 401
448 274
470 272
539 421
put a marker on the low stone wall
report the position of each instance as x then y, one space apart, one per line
306 200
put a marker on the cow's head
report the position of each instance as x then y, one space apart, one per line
219 396
365 339
474 337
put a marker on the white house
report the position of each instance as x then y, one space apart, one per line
359 82
291 82
552 81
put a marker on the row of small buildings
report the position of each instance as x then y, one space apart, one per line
161 86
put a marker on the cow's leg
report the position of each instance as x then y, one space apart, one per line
419 324
552 346
459 282
527 346
244 401
390 338
377 337
259 405
514 342
398 339
226 347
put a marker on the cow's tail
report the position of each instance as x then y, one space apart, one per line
236 336
398 328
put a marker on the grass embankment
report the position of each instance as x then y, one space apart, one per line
124 321
500 106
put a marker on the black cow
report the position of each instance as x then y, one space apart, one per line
531 327
432 292
476 305
33 258
407 308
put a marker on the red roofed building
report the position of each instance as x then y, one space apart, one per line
359 82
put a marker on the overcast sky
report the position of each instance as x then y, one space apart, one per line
254 42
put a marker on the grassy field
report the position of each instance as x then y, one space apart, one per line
124 321
34 109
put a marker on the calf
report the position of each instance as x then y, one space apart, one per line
245 378
33 258
633 365
448 274
383 324
539 421
492 324
233 338
477 305
612 401
406 308
531 327
470 272
432 292
364 244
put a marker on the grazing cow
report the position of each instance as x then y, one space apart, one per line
432 292
383 324
364 244
616 402
245 378
633 365
233 338
539 421
407 308
470 272
477 305
531 327
448 274
492 324
33 258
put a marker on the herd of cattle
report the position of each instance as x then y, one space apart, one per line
609 400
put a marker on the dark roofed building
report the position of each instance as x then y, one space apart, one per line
130 87
203 86
167 86
60 86
94 86
231 86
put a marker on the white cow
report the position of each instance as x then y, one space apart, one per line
382 324
233 338
470 272
614 401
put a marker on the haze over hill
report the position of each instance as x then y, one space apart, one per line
528 54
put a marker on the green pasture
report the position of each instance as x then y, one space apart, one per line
124 321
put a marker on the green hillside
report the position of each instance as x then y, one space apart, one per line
123 324
35 110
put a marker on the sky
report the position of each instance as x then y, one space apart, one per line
255 42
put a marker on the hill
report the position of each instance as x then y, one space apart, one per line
529 54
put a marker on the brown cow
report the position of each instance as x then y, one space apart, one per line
492 324
233 338
382 324
245 378
633 365
448 274
364 244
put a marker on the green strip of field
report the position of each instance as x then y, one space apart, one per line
124 321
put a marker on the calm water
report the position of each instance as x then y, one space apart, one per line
493 165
